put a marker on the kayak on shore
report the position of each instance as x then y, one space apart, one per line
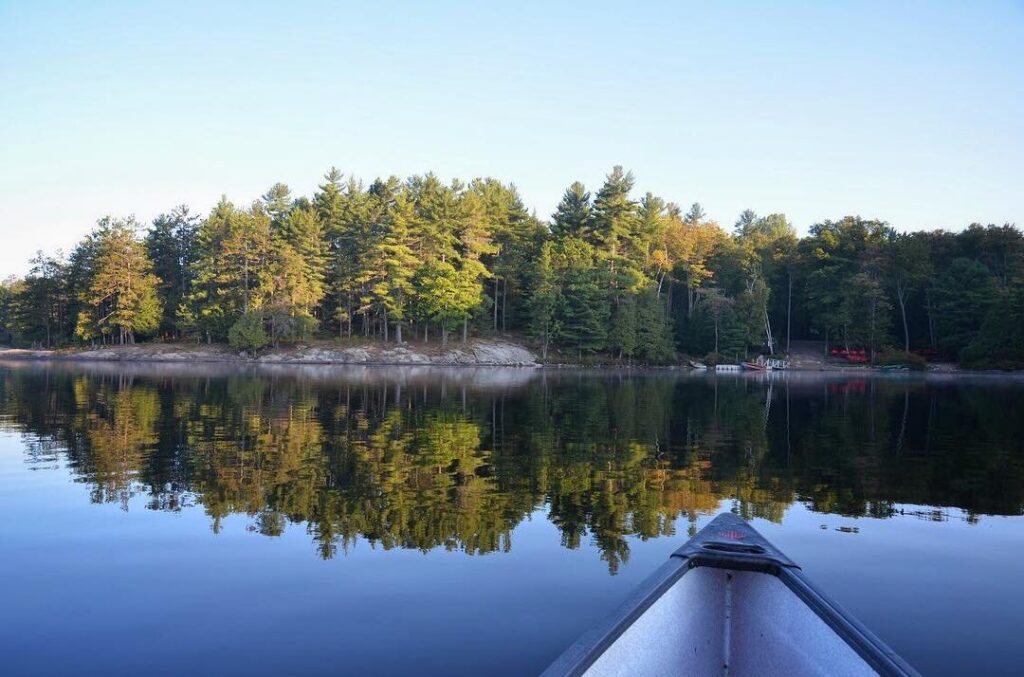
729 603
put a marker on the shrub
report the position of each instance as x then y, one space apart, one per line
248 334
714 359
901 358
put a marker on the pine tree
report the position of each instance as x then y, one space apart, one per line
331 205
122 294
278 202
303 232
695 216
585 309
622 334
290 294
545 301
474 243
653 330
614 213
394 292
231 270
573 216
43 301
447 295
516 238
171 245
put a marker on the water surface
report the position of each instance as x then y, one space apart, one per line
168 519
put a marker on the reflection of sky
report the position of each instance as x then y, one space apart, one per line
244 602
150 591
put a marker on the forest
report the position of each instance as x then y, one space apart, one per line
611 275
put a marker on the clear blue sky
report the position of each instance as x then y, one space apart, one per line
909 112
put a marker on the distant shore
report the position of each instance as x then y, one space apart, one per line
473 353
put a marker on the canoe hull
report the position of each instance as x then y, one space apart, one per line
729 605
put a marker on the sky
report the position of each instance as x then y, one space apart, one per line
912 113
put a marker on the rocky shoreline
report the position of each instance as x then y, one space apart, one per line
476 353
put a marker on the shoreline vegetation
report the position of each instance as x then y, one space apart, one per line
418 270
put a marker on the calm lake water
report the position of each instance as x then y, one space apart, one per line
201 519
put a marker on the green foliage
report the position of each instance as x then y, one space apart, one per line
40 304
584 310
9 292
121 300
171 245
247 333
962 295
622 334
900 358
573 216
609 276
654 332
545 301
1000 342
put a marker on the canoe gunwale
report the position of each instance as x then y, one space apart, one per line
578 658
875 653
754 554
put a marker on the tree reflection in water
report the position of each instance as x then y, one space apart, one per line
427 458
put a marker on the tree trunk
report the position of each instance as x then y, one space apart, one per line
871 347
398 332
444 336
931 318
496 281
465 329
504 304
906 330
789 312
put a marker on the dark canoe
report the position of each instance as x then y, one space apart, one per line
729 603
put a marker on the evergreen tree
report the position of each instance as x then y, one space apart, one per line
653 330
277 202
614 213
963 295
171 245
622 333
475 243
122 295
545 301
302 230
42 302
633 278
585 309
695 216
573 215
394 292
231 270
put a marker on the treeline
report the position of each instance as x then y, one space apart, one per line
636 279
